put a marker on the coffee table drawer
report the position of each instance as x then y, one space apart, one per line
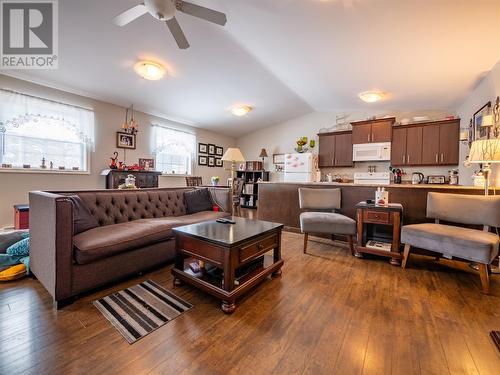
260 247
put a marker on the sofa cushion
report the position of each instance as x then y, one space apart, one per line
82 218
465 243
199 217
109 240
198 200
326 222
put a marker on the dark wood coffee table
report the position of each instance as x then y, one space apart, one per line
228 247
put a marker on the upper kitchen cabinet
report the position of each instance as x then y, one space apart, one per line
372 131
335 149
430 143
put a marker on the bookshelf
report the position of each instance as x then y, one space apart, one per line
249 196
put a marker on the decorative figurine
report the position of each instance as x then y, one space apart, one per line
51 164
43 166
112 165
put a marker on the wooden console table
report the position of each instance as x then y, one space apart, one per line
143 179
379 223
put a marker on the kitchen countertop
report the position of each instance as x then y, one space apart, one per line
403 185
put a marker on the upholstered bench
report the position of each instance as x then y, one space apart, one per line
453 241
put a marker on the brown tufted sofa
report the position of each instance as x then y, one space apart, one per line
134 234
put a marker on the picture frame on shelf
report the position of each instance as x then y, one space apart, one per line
125 140
211 149
219 163
211 161
202 160
480 131
147 164
278 159
242 166
202 148
219 151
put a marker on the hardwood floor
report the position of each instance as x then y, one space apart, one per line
330 313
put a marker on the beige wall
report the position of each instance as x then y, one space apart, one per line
281 138
14 187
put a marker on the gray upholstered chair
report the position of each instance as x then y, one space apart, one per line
318 220
452 241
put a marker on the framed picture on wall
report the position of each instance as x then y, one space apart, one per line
211 161
202 160
278 158
202 148
211 149
219 151
125 140
218 162
480 131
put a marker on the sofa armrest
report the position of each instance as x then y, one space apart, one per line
51 242
221 196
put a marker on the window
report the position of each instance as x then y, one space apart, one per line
39 132
174 150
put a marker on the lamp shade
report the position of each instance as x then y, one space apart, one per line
485 151
263 153
232 155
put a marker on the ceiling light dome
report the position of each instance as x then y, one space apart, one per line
150 70
372 96
241 110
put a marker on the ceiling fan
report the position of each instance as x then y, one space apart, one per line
164 10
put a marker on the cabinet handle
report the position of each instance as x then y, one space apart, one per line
442 158
408 159
368 137
334 161
436 158
404 156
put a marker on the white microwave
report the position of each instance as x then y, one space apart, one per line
371 151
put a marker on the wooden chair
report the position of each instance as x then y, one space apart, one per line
237 191
194 181
320 221
457 242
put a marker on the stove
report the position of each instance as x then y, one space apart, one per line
372 178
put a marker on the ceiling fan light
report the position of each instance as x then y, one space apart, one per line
241 110
372 96
150 70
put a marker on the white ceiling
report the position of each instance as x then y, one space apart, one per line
285 58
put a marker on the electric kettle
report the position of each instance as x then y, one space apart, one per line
417 178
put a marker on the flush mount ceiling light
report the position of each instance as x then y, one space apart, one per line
372 96
241 110
150 70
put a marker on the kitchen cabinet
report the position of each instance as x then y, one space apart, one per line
326 150
335 149
372 131
430 144
406 146
430 150
449 140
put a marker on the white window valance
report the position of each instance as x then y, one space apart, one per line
17 109
174 140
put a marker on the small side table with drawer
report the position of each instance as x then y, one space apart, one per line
381 224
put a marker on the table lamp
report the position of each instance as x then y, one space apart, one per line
263 154
486 152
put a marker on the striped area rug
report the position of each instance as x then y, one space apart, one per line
139 310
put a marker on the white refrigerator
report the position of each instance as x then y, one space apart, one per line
301 167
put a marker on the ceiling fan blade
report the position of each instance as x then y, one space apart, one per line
177 32
130 15
201 12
